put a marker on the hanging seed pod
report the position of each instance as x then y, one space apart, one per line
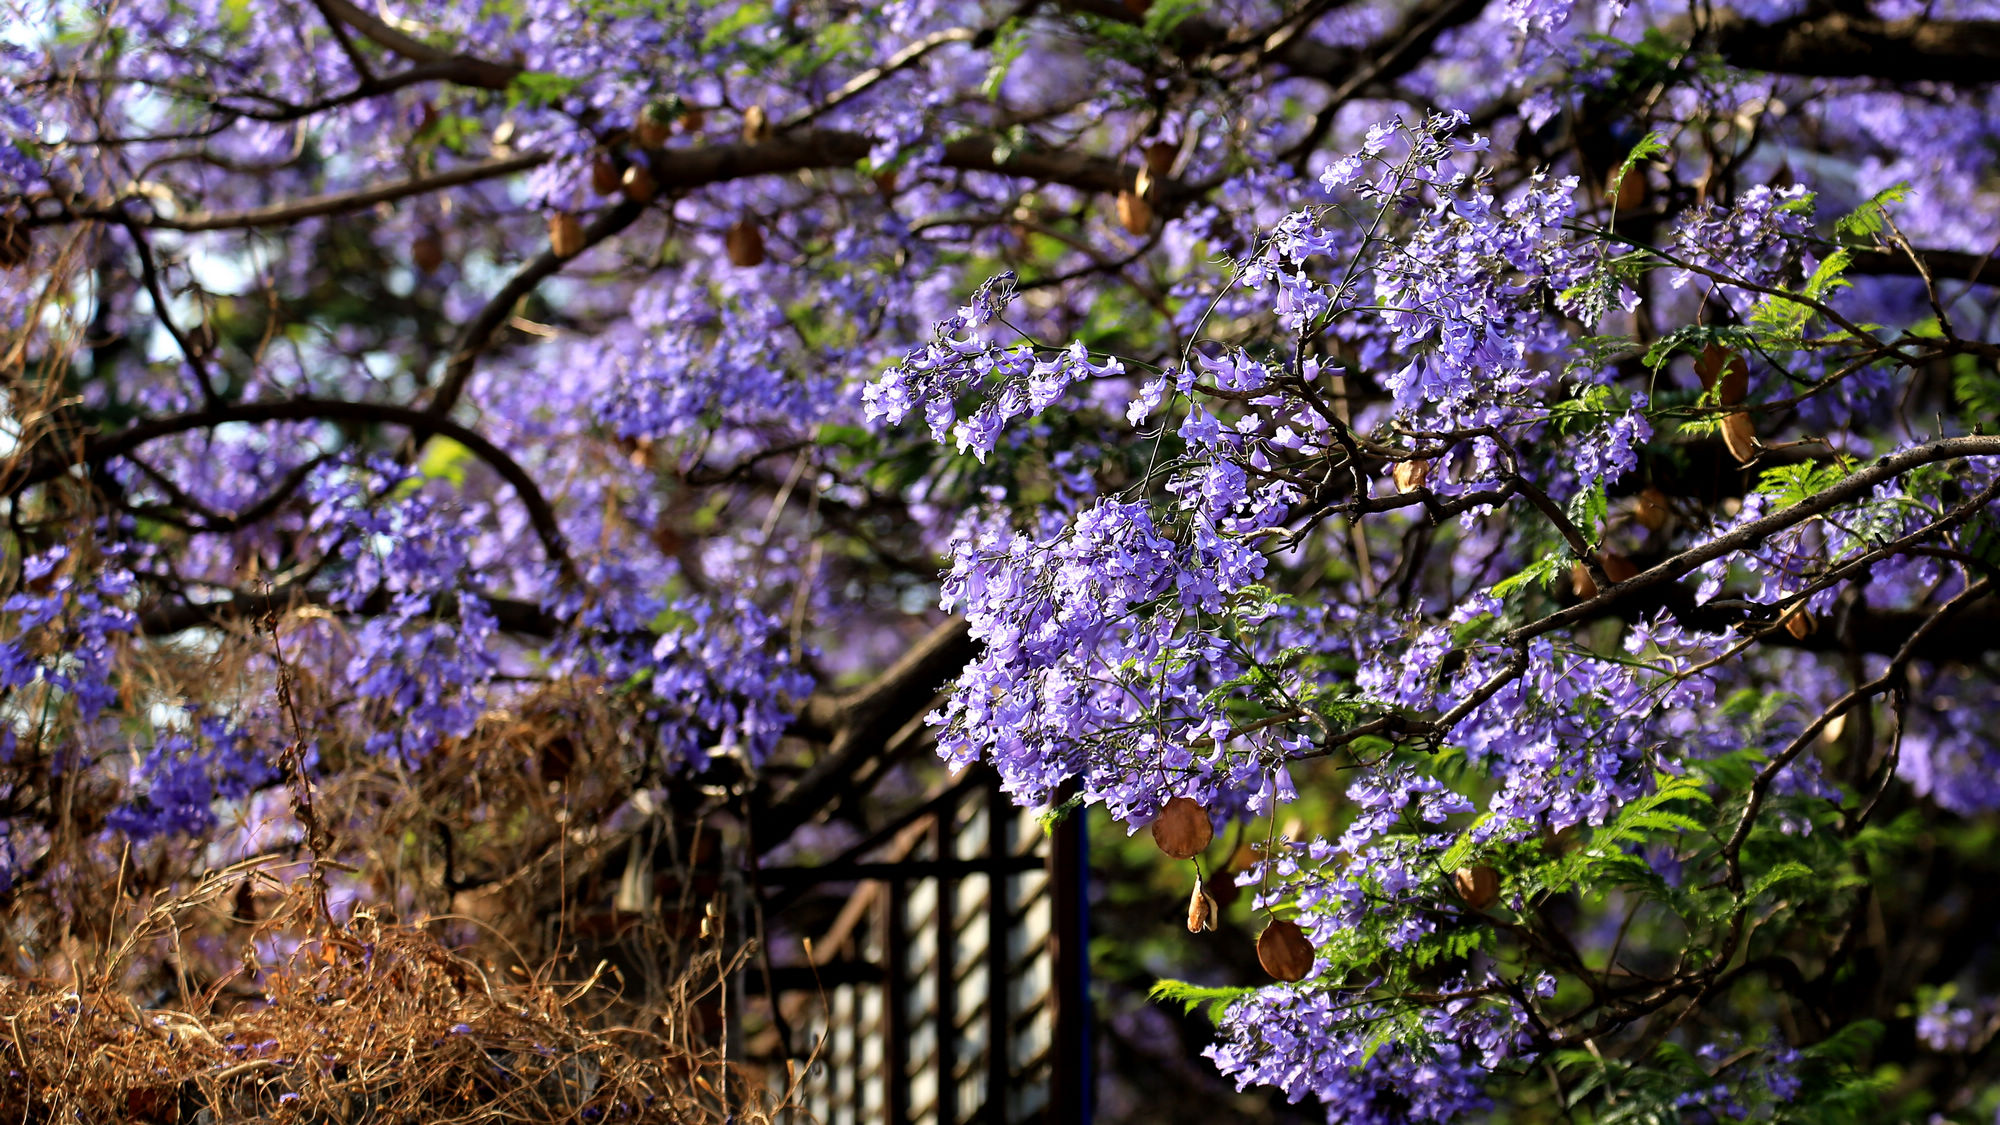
1478 886
1284 951
1718 362
1202 909
427 251
638 184
1630 192
745 244
1800 623
1616 567
1145 185
16 243
654 124
694 119
604 175
1651 509
1182 830
1134 213
1160 157
1223 890
1740 437
565 235
1411 475
756 126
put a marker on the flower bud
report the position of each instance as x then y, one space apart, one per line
565 235
1182 830
745 244
1284 951
1479 886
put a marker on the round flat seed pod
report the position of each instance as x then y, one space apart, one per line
1182 829
1134 213
1478 886
745 244
638 184
565 235
604 175
1284 951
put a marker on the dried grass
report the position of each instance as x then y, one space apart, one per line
363 1022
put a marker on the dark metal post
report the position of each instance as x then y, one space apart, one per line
999 1038
944 834
1071 1082
895 1003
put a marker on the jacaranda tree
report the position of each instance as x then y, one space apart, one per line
1556 438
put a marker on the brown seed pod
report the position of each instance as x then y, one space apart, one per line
694 119
638 184
1284 951
1631 191
1160 157
745 244
1138 7
604 175
1134 213
756 126
1719 362
1579 581
654 124
1479 886
885 182
1145 185
17 242
1182 829
565 234
1411 475
1800 623
1616 567
427 251
1740 437
1651 509
1202 909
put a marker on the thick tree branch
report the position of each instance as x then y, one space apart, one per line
1842 45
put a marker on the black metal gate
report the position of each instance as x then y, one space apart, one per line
952 987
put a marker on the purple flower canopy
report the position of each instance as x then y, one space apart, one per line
1549 443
